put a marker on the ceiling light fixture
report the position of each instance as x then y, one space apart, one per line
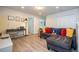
57 7
22 7
39 7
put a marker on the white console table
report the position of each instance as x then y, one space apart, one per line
5 43
14 33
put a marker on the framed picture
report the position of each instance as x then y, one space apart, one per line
10 17
22 19
17 18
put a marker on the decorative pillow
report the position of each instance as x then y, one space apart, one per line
63 32
43 30
69 32
57 31
47 30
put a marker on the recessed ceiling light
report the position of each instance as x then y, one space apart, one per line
57 7
22 7
39 7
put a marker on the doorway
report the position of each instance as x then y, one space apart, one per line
30 25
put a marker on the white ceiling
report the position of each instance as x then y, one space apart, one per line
46 11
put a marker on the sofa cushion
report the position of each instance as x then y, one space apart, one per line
62 42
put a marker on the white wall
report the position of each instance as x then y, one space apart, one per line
5 12
63 19
3 23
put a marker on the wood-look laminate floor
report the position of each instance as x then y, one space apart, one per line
30 43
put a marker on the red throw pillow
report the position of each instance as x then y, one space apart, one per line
63 32
47 30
